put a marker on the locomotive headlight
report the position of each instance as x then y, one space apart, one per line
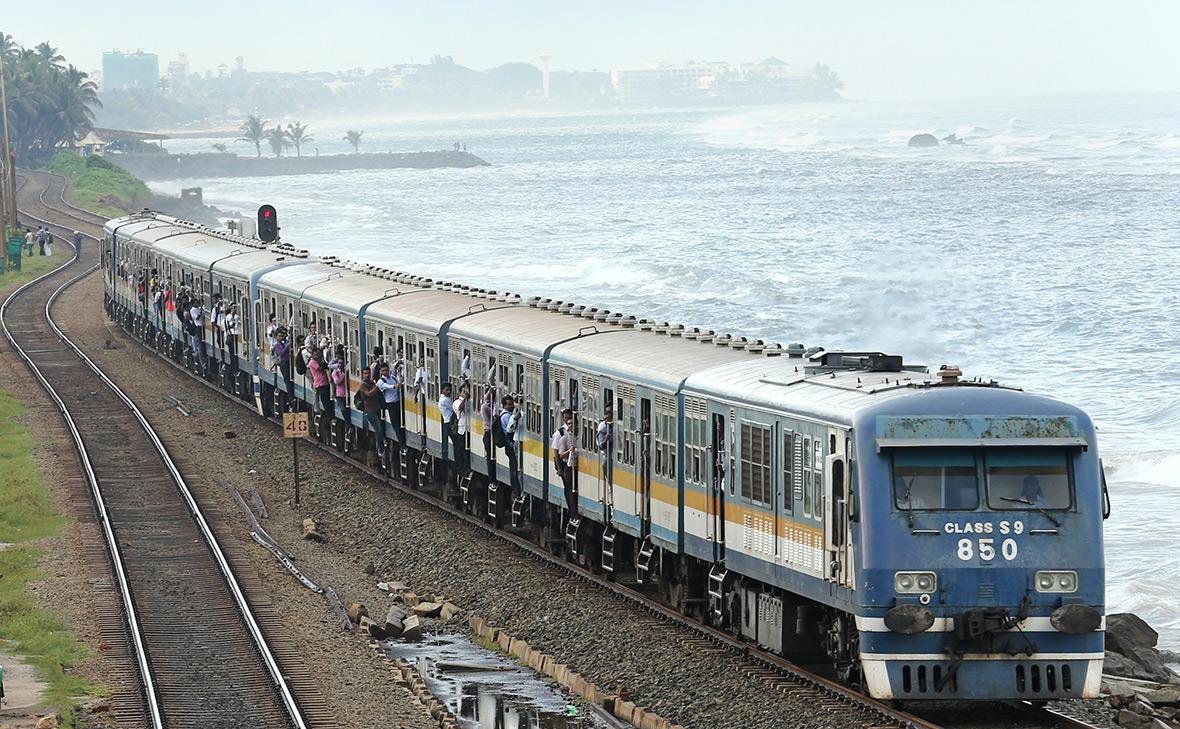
1057 581
913 583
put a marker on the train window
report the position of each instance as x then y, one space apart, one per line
756 463
788 472
817 479
935 478
807 506
1027 478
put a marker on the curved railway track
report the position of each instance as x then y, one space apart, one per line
836 702
202 658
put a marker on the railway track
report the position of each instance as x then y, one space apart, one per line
202 659
838 703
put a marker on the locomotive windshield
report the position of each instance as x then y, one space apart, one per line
948 478
1028 478
936 478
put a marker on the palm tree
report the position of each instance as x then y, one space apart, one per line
220 148
299 135
354 138
254 130
277 138
49 102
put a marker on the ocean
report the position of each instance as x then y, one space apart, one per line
1041 253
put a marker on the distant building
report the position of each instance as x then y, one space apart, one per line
136 70
770 81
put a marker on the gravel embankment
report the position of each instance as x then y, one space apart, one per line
607 641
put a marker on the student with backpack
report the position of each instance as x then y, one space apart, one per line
504 434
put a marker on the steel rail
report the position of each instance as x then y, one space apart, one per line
215 548
95 490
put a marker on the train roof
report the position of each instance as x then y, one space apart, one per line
648 358
243 265
198 249
428 310
526 329
796 385
324 284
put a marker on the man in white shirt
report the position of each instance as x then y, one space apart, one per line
196 337
465 366
462 412
419 383
391 387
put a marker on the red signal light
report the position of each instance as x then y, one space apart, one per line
268 224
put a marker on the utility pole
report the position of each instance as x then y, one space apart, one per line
8 204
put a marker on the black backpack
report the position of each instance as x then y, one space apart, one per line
300 362
499 437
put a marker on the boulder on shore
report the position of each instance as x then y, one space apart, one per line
923 140
1131 652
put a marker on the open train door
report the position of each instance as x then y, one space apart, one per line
837 527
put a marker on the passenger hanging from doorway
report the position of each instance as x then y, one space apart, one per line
505 435
567 456
604 440
376 362
487 411
230 324
197 331
446 412
339 377
216 312
390 385
271 327
420 380
281 354
462 425
465 366
319 381
492 378
371 400
555 440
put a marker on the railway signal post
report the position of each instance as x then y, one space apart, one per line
295 428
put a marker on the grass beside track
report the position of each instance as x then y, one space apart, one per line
34 266
26 516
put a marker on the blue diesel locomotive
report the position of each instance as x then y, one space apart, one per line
934 537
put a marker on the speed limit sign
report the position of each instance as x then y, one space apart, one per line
295 425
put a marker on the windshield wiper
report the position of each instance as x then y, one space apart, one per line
1016 500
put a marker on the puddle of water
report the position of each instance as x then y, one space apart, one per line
485 690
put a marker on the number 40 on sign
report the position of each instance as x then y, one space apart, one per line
295 425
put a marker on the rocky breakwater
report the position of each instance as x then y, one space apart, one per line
195 166
1137 681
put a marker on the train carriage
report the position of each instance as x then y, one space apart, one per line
513 347
417 328
637 486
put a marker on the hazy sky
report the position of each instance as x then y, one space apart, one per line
882 48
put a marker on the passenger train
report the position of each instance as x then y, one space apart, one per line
934 537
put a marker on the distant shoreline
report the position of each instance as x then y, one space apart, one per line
183 166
